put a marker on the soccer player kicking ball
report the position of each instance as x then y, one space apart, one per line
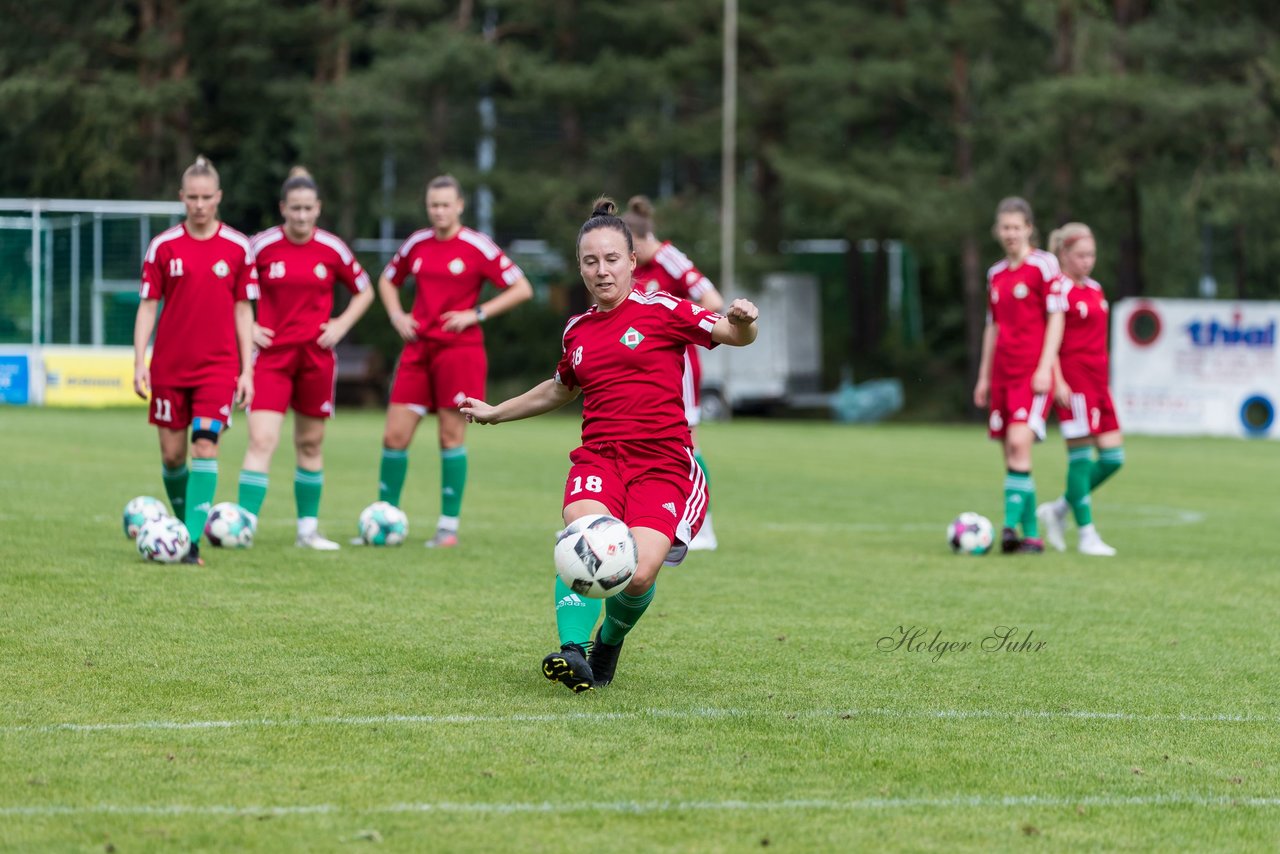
1082 394
444 361
1015 376
204 272
625 355
662 267
294 363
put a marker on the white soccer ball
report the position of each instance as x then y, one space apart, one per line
596 556
971 534
383 524
229 526
164 540
141 510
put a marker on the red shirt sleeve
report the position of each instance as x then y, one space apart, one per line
152 279
570 355
247 278
397 268
502 271
352 275
693 323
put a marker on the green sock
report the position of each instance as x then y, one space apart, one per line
1079 470
253 490
391 475
200 489
622 612
1019 496
175 486
1109 462
575 615
706 475
307 486
453 480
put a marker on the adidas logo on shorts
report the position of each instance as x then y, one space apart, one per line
670 507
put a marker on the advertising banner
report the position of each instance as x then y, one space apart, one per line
1196 367
15 376
89 376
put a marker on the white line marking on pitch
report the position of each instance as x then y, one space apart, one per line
642 807
657 714
1131 516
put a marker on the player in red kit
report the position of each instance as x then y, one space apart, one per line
200 368
1015 376
1082 393
660 266
444 361
294 363
626 357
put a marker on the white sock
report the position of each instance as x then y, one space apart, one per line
1088 532
308 525
448 523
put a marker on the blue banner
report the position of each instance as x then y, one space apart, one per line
15 378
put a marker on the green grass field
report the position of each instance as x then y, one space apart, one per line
286 700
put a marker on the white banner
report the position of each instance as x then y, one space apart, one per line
1196 367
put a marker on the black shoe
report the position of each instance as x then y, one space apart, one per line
603 660
570 667
1009 541
193 556
1032 546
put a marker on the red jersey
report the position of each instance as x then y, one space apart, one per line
629 363
671 270
297 282
1020 300
200 281
449 274
1084 338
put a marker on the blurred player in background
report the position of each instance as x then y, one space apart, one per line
1082 393
444 361
294 363
201 365
660 266
1019 347
626 356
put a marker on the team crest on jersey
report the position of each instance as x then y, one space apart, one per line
1020 291
456 266
631 338
321 271
221 269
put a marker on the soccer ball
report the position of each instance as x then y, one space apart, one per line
383 524
229 526
971 534
164 540
596 556
141 510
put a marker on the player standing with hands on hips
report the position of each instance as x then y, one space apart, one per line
201 364
1082 393
443 362
625 355
1019 347
294 363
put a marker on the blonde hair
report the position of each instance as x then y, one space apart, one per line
1062 239
202 167
299 179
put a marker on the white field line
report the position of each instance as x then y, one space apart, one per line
1122 516
642 714
647 807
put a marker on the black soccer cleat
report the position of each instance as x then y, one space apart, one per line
603 660
569 666
1009 541
193 556
1031 546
